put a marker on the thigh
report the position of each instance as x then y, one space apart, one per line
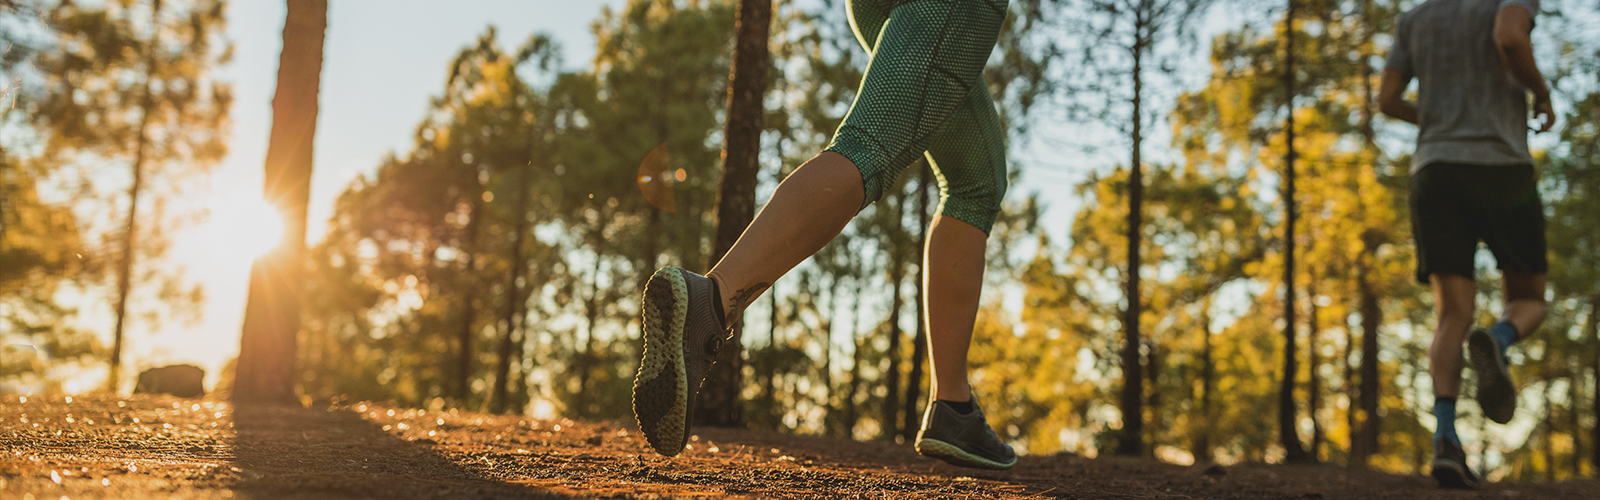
929 57
1442 223
1514 224
866 20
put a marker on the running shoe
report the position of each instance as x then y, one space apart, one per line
681 340
1450 466
1497 395
962 439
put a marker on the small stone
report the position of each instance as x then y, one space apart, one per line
1215 470
595 440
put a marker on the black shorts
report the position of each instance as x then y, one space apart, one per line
1453 206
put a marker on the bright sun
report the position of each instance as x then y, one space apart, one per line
245 226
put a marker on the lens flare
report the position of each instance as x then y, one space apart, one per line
243 227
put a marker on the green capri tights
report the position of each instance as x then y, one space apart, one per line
924 94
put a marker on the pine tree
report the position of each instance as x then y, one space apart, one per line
265 372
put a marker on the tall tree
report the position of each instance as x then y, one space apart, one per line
736 197
1288 435
1121 43
265 373
131 86
539 150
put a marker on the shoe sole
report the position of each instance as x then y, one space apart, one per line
660 391
1497 396
954 455
1450 475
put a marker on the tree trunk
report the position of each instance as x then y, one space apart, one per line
502 370
1594 373
1575 409
1131 441
891 382
130 227
919 344
851 411
1366 443
591 312
265 370
1546 442
1351 391
1207 380
1364 439
769 392
1314 397
736 199
467 285
1288 435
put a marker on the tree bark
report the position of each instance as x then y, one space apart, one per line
736 199
1131 440
265 370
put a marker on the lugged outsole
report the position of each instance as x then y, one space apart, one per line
660 391
1497 395
954 455
1449 476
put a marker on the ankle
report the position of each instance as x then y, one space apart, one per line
724 295
732 301
1505 332
1444 411
962 393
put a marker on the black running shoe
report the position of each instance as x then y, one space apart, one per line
681 340
962 439
1450 466
1497 395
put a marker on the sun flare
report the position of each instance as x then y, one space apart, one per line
245 226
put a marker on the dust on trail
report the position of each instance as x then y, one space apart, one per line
163 447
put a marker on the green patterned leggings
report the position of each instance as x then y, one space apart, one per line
924 94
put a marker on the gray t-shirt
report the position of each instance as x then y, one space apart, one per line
1470 109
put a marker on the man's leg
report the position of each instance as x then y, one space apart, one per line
1453 298
1453 307
954 280
1524 307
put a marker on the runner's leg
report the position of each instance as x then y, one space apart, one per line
1453 307
969 155
1525 305
929 56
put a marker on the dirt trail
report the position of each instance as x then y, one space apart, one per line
99 447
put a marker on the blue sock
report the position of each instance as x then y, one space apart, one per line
1444 409
1504 332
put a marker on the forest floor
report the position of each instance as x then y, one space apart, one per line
143 447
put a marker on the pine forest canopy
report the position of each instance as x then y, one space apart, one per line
495 263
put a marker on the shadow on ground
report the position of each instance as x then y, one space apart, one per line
298 453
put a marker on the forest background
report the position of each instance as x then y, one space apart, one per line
494 262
